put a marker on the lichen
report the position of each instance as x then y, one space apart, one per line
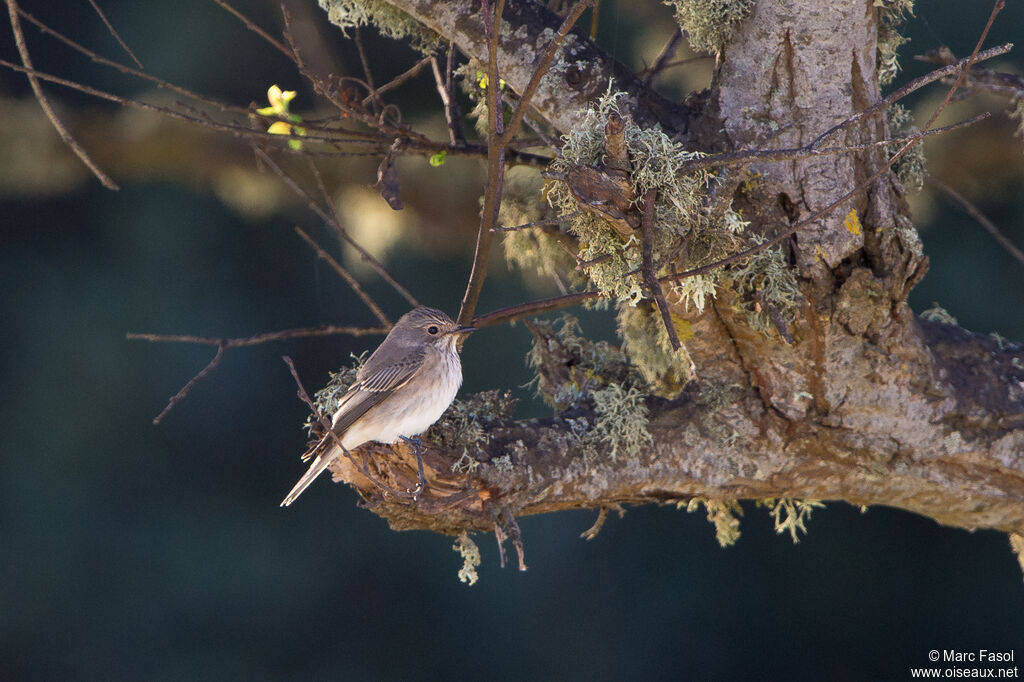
938 314
910 168
391 22
681 215
575 373
723 515
463 428
470 554
536 249
1017 111
791 514
891 14
570 367
621 419
709 24
766 285
645 342
327 398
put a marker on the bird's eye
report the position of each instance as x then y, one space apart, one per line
432 329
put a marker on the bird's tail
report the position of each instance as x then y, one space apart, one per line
322 461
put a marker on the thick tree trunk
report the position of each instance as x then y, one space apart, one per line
869 404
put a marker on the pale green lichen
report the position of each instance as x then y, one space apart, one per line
910 168
723 515
710 24
791 515
391 22
1017 111
681 216
891 14
463 428
470 554
327 398
938 314
535 249
621 419
765 280
645 342
571 367
575 373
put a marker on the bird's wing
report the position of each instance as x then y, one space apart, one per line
373 387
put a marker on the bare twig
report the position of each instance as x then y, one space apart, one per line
793 229
966 66
98 59
521 310
538 223
347 276
330 220
662 61
499 137
180 395
982 219
445 88
914 85
398 80
19 40
541 68
744 157
649 275
268 337
113 32
591 533
256 29
495 164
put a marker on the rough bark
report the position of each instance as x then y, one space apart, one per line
869 404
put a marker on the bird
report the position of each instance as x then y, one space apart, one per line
399 392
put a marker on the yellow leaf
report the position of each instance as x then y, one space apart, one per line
280 128
852 222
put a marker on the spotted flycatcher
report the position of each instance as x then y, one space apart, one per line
403 388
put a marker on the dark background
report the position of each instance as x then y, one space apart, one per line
133 551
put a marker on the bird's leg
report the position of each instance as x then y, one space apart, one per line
417 450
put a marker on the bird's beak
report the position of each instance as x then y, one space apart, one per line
461 331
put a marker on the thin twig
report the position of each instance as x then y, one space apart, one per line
521 310
741 158
817 215
398 80
982 219
331 221
19 40
662 61
542 67
996 8
98 59
374 139
538 223
257 339
495 164
110 27
914 85
180 395
256 29
347 276
357 38
649 276
452 114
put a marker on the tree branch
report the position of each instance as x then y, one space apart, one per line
578 76
956 457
